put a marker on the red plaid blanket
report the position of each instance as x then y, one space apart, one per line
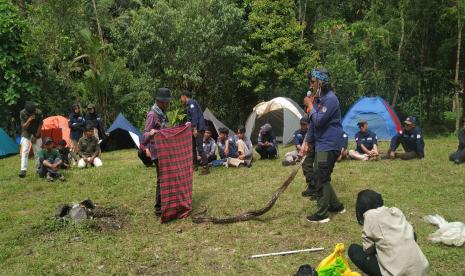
174 147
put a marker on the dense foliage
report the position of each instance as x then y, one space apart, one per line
230 53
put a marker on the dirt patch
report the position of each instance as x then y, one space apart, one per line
108 219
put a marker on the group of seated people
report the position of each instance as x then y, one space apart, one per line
51 160
366 142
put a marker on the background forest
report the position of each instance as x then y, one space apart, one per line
230 53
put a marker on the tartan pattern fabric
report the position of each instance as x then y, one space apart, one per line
174 146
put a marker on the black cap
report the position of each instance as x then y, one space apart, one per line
410 120
163 95
362 121
48 140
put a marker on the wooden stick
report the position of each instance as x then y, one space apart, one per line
287 252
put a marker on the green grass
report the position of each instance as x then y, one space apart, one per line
32 243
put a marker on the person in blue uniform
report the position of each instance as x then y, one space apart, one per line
290 158
267 146
209 146
344 154
411 139
367 143
76 123
459 156
325 116
195 117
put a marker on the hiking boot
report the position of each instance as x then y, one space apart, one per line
205 170
49 177
308 193
62 178
318 219
288 163
340 210
456 162
157 213
22 174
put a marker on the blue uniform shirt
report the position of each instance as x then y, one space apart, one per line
345 140
209 147
368 139
267 137
233 151
299 136
326 119
411 141
195 115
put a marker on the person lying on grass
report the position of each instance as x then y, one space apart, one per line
89 149
388 241
49 162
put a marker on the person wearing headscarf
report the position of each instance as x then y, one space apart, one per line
267 146
325 132
388 241
31 122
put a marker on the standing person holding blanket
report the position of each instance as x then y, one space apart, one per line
325 116
195 117
156 120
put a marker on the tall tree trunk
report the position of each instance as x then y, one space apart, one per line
399 53
99 29
457 68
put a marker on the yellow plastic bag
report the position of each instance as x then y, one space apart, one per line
336 264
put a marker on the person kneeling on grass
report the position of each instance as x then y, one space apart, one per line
293 156
65 154
49 162
367 143
267 146
388 241
89 149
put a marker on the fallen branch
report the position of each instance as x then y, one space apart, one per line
204 217
287 252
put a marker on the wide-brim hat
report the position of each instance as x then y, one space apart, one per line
163 95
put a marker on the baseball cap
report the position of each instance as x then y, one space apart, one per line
410 120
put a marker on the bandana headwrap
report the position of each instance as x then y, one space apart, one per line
322 76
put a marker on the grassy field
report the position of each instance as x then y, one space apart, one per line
33 243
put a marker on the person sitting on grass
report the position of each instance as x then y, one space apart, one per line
367 143
209 146
344 149
49 162
388 241
411 138
293 156
267 146
244 146
89 149
459 156
65 154
227 148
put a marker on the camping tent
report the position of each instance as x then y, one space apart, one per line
7 146
123 135
381 119
214 124
282 113
56 127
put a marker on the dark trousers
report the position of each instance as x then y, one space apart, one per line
268 152
144 158
407 154
307 169
458 156
157 189
42 170
211 158
323 167
197 149
365 262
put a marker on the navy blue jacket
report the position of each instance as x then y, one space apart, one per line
233 150
299 136
368 139
326 119
195 115
345 140
410 140
76 123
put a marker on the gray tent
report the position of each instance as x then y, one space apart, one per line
214 124
282 113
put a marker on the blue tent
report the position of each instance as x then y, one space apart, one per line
123 135
7 146
381 119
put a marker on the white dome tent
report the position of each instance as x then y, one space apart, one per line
282 113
